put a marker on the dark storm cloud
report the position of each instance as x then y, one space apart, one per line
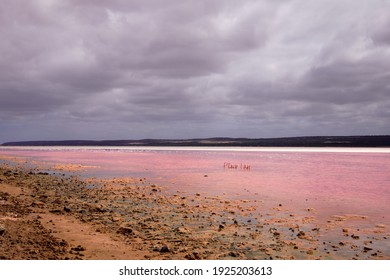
135 69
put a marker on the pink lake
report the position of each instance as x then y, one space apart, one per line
332 181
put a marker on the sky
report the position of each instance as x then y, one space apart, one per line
135 69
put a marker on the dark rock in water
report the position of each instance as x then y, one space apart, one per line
366 249
301 234
165 249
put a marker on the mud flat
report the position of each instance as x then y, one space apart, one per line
62 216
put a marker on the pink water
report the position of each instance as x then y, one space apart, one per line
334 183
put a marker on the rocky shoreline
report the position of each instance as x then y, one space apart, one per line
58 216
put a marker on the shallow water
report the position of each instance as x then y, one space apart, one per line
333 181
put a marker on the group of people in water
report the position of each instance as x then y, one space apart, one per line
229 165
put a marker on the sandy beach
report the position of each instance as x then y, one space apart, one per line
53 215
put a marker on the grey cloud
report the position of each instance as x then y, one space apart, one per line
195 68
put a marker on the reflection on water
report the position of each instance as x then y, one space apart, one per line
334 181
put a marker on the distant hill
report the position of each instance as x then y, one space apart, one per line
307 141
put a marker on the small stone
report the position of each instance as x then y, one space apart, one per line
67 209
2 230
183 230
366 249
165 249
125 230
234 254
193 256
79 248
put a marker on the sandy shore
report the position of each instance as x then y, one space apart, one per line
58 216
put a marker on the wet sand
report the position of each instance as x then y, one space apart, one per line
53 215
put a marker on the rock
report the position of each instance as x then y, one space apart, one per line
182 230
67 209
165 249
366 249
125 230
2 230
79 248
355 236
234 254
301 234
193 256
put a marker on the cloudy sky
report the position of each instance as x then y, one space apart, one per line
133 69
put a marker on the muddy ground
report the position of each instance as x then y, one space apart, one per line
46 214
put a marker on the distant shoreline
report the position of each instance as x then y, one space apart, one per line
306 141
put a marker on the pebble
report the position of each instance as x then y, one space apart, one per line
79 248
2 230
125 230
165 249
366 249
234 254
